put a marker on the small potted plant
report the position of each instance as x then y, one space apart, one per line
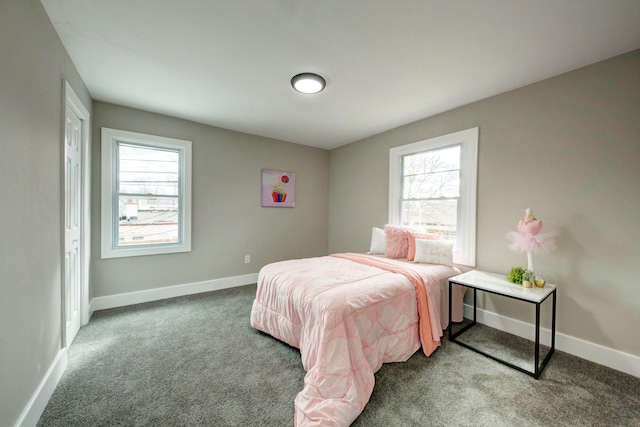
515 275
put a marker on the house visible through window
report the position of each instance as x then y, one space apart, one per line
148 191
432 184
146 183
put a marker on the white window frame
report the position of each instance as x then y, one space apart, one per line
465 247
110 137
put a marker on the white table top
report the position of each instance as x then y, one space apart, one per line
499 284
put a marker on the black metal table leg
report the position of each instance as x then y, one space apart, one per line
537 355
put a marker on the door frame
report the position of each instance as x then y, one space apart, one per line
73 101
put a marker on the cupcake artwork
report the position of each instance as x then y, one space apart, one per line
278 188
279 192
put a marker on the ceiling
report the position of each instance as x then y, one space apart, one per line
387 62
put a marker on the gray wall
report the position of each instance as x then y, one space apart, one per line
569 148
227 221
32 69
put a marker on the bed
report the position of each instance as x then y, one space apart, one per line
348 314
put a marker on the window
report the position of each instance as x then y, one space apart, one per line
146 194
432 184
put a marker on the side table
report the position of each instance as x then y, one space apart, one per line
497 284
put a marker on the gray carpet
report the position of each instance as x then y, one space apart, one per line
195 361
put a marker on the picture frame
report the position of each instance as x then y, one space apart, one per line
278 189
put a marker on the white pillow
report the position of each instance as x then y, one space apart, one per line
378 241
434 252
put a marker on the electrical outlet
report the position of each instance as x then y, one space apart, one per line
247 259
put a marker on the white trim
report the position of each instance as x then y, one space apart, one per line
465 251
73 101
148 295
34 409
611 358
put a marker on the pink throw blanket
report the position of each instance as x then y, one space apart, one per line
348 314
429 343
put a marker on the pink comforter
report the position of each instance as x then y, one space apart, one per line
348 318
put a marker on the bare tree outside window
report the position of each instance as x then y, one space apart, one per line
431 190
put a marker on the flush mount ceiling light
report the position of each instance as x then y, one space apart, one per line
308 83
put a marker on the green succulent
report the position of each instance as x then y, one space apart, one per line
515 275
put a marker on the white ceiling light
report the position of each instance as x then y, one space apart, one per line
308 83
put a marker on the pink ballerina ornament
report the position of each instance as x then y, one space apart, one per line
529 239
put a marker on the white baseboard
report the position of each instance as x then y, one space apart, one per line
624 362
34 409
121 300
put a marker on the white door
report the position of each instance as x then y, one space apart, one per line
72 223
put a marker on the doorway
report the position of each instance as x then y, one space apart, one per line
75 287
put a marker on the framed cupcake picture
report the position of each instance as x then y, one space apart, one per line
278 189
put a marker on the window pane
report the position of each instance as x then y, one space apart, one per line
432 185
432 174
437 160
146 170
436 216
147 220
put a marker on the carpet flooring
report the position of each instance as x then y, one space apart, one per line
195 361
